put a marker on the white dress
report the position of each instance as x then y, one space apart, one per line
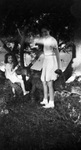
50 62
9 75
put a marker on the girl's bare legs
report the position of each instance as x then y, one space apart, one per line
22 86
51 95
45 100
51 90
45 90
13 90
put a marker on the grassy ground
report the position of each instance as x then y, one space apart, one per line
25 124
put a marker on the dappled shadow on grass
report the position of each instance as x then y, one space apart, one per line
29 126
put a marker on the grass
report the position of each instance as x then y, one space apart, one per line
27 125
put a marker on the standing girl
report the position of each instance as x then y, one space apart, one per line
50 64
10 72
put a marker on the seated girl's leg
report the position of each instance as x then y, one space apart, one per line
22 86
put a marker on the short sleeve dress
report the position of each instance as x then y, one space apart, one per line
50 62
9 75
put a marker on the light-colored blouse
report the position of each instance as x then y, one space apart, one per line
49 43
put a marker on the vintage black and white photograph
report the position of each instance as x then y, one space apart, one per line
40 74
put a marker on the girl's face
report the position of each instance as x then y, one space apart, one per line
10 59
45 33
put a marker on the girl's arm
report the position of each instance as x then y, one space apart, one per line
38 41
15 69
57 56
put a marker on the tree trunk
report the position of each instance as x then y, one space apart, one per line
22 42
68 71
22 51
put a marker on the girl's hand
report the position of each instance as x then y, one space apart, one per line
16 67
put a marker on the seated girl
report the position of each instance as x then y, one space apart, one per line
10 72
